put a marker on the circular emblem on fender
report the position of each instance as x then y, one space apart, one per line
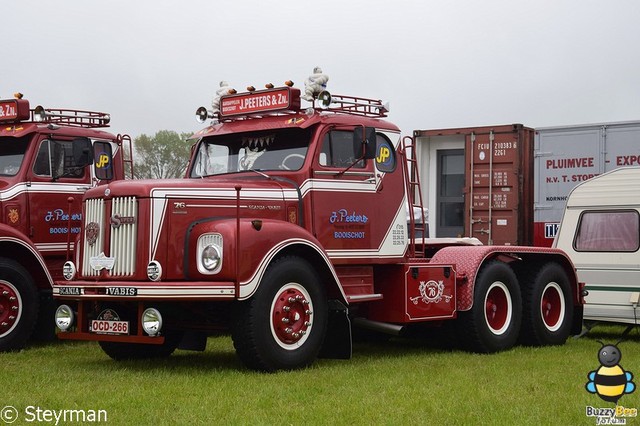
107 192
431 291
91 232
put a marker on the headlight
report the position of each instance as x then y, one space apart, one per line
154 270
151 321
68 270
209 253
211 258
64 317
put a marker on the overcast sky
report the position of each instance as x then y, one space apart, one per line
151 63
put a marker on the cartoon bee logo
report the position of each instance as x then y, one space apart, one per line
610 381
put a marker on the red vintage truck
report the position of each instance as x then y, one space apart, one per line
291 228
46 165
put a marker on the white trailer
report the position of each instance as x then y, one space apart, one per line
567 155
600 231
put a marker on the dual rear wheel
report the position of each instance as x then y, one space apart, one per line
502 313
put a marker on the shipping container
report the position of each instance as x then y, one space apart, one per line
532 173
477 182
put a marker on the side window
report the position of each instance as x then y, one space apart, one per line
337 150
103 160
385 154
56 158
614 231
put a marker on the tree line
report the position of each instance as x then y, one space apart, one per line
164 155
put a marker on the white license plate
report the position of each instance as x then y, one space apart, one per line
109 327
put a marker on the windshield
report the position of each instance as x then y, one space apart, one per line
279 149
11 154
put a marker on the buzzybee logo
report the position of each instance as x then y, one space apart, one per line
610 381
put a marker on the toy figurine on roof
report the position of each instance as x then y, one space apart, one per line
314 84
224 89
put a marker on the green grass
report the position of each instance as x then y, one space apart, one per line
403 381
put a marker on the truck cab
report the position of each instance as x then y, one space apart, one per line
46 165
291 227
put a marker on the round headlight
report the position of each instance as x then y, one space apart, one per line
154 270
211 257
64 317
68 270
151 321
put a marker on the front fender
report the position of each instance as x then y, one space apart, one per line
16 245
247 256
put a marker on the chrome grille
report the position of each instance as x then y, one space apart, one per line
94 215
124 226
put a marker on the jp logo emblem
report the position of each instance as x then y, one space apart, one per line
102 161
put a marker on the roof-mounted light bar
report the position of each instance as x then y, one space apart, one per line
352 105
71 117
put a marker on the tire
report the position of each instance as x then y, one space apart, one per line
132 351
282 327
493 323
19 304
547 307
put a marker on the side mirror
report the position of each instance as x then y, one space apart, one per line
364 142
82 152
103 160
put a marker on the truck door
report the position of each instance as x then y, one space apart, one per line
358 206
55 195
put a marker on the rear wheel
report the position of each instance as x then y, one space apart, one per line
493 322
282 326
18 305
547 307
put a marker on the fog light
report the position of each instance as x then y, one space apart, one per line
211 257
154 270
68 270
64 317
151 321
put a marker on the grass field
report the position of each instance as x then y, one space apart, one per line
402 381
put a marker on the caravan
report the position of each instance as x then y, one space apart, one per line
600 231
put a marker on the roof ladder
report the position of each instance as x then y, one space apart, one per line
414 195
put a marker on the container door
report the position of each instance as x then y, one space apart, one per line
497 203
622 145
564 157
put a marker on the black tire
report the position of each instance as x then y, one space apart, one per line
263 341
19 304
131 351
547 307
493 323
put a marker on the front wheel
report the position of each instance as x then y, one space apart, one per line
493 322
18 305
282 326
548 309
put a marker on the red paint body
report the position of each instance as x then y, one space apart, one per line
346 218
39 211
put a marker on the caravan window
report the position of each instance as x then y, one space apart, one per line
613 231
